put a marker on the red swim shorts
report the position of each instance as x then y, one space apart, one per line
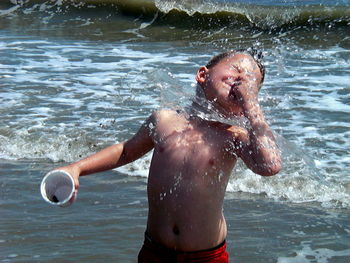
152 252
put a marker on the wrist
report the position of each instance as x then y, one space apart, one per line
75 169
252 110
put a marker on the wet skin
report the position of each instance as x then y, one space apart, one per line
188 176
193 158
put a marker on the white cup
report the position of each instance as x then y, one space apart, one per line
57 188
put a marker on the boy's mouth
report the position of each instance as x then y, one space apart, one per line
233 89
232 93
232 96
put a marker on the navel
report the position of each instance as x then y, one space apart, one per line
211 162
176 230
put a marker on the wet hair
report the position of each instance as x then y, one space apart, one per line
257 55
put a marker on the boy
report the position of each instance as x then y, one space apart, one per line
192 162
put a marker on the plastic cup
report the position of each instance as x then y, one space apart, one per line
57 188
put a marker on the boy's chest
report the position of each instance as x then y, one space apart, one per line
191 153
192 145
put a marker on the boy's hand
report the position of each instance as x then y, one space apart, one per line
245 93
74 172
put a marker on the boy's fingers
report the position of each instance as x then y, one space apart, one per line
73 173
76 182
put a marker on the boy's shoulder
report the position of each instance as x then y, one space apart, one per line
167 121
167 115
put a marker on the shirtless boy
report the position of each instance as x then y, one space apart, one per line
192 161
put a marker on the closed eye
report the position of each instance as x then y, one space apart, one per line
236 68
233 81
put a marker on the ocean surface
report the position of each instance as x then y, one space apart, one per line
76 76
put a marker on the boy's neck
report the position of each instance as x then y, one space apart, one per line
205 110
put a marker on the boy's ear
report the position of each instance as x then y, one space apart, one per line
201 75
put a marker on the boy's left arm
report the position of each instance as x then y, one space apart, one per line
261 153
258 147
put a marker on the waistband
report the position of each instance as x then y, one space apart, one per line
160 248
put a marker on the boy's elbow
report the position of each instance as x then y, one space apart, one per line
270 169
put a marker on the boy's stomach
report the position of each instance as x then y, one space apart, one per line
186 220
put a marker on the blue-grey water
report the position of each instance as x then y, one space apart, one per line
78 76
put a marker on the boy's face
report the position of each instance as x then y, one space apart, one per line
219 81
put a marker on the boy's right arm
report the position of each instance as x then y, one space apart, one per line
116 155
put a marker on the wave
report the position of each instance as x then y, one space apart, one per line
299 181
265 14
210 13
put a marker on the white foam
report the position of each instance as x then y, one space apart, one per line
59 147
138 168
319 255
298 182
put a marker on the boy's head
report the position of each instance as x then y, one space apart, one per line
254 53
224 71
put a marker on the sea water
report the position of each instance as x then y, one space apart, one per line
76 76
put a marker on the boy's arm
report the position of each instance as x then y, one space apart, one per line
257 148
116 155
260 152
